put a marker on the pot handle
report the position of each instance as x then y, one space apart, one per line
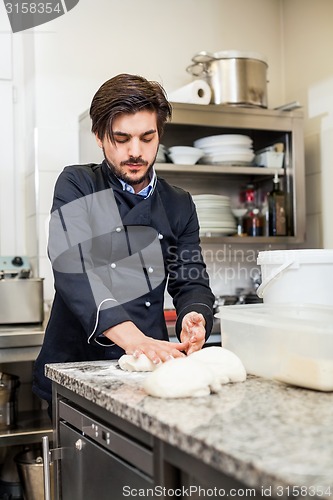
271 277
196 69
203 57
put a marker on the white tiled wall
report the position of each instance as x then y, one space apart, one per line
8 209
308 41
313 191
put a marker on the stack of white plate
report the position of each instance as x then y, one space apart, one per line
214 214
232 149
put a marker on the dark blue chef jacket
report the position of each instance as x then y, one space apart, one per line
91 294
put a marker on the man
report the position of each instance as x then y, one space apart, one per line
118 236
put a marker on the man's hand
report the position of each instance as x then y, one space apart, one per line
193 331
127 336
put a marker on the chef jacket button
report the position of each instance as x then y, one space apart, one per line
118 229
113 265
150 270
147 304
160 236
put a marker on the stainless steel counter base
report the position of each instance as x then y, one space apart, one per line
20 342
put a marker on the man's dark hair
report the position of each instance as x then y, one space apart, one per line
127 94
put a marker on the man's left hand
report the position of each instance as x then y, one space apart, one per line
193 331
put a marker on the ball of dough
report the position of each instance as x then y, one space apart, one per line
129 363
179 378
226 366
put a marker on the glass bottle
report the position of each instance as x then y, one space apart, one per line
265 216
254 222
277 221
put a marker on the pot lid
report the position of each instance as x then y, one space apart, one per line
239 54
204 57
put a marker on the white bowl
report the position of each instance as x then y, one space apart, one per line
185 155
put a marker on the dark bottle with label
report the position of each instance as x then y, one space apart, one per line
277 221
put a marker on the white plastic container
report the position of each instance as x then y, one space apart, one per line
289 343
270 159
296 276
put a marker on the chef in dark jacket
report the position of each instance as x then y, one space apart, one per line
119 235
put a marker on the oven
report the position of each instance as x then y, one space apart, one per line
97 460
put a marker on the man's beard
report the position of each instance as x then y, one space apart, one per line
124 176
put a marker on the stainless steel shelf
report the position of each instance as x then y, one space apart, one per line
251 240
216 169
21 335
20 343
30 428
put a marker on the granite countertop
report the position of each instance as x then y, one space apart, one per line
264 433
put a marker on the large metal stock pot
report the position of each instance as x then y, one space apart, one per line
236 78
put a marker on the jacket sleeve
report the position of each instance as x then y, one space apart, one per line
188 282
81 221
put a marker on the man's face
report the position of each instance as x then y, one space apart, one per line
132 156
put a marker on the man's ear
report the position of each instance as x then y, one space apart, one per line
99 142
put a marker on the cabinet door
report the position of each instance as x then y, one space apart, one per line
88 471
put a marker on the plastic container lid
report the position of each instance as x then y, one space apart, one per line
297 256
298 318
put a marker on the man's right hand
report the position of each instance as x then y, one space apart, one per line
128 336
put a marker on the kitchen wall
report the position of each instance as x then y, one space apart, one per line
84 48
308 74
58 67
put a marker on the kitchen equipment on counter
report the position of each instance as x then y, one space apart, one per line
225 300
292 343
241 296
21 296
296 276
235 77
30 470
9 385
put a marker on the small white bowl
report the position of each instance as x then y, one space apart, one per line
185 155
